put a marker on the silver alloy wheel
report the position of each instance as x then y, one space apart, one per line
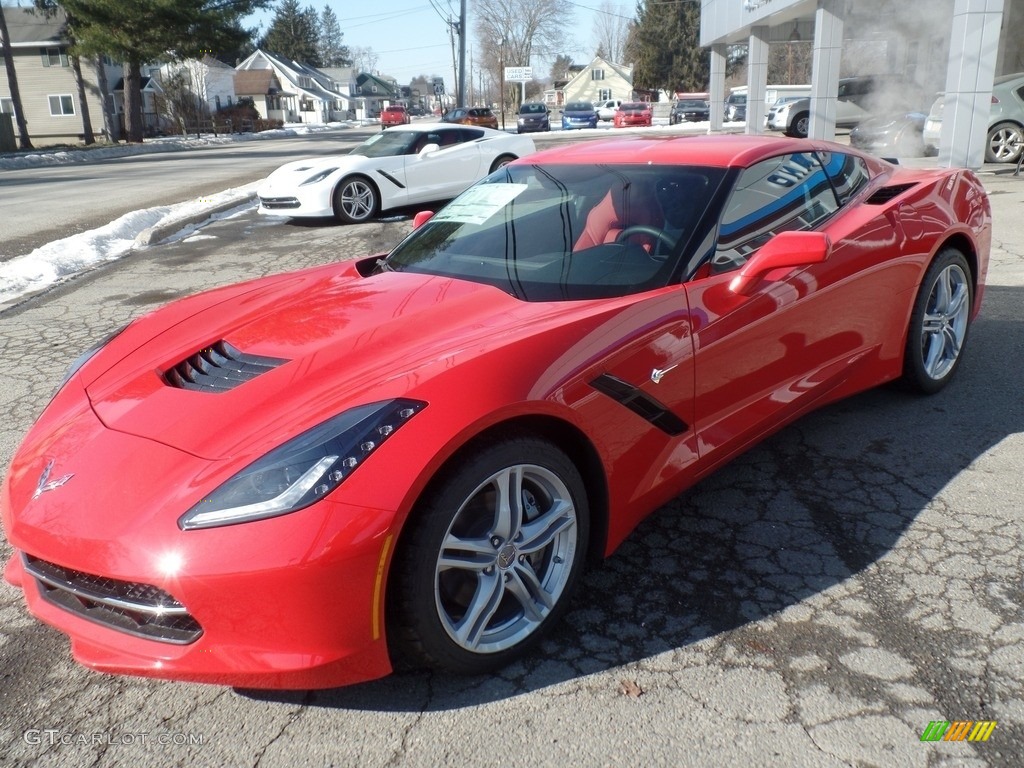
1005 142
357 199
802 126
944 325
506 558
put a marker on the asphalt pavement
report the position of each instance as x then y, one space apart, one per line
818 602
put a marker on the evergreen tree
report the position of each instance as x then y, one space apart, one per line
665 45
139 31
333 53
294 33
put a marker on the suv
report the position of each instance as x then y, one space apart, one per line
471 116
606 109
1005 121
396 114
533 116
858 99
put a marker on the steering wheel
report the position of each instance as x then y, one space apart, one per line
646 229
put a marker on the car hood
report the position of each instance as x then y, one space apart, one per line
300 170
331 339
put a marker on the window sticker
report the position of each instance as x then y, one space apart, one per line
478 204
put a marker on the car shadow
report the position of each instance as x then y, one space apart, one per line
801 513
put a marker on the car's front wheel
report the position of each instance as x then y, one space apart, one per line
1005 143
489 558
800 126
939 323
356 200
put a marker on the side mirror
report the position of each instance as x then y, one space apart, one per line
429 148
784 251
421 218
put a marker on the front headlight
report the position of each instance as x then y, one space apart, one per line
304 469
318 177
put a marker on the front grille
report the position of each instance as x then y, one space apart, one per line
219 368
273 203
138 609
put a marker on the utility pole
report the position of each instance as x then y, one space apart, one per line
462 53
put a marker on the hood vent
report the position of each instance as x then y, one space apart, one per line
219 368
885 194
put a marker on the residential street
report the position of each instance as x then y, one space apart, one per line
815 603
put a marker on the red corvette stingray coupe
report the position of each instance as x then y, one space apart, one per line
301 480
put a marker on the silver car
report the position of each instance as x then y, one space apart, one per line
1005 121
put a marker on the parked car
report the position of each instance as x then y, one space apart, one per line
632 113
689 110
858 99
606 109
895 135
733 103
533 117
1005 121
471 116
402 166
304 479
392 115
579 114
417 111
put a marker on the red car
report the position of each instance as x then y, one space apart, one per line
632 113
396 114
299 480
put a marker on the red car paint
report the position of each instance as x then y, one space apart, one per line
298 601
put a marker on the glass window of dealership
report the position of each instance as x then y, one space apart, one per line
953 46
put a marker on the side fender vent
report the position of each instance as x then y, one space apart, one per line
219 368
885 194
640 403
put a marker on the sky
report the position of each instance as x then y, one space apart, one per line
410 37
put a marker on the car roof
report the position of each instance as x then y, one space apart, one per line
717 151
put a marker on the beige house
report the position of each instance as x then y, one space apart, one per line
599 81
49 95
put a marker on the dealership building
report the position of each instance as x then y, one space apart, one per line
953 46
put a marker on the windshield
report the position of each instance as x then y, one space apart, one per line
387 144
563 232
579 106
692 104
532 109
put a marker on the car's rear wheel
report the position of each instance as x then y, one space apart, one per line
1005 143
490 558
939 323
800 126
501 162
356 200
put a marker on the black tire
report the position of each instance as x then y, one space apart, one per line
939 323
1005 143
799 126
356 200
507 578
501 162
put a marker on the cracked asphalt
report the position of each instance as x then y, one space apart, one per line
817 602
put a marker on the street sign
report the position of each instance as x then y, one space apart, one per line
439 89
518 74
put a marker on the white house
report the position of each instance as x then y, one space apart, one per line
600 80
212 82
294 92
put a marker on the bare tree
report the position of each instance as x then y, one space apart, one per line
364 59
510 32
12 82
611 27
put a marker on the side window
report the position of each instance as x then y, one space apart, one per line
849 174
471 134
786 193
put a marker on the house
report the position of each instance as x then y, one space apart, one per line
377 91
600 80
295 93
153 117
211 82
46 81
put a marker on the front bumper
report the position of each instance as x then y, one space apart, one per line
313 200
291 602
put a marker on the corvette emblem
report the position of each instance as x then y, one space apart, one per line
43 486
657 373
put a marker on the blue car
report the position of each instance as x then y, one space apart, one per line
579 114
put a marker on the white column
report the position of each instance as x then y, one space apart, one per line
973 48
828 44
757 77
717 85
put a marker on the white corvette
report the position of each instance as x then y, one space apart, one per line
404 165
